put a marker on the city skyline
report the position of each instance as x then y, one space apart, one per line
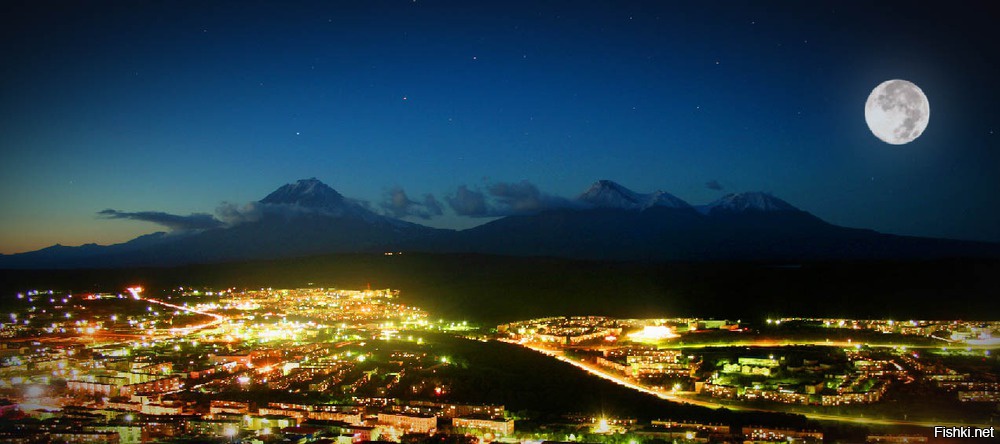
178 108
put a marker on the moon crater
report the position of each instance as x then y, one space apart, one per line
897 112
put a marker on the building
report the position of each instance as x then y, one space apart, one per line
446 410
125 384
759 362
497 426
213 427
127 433
234 407
409 423
775 434
298 415
94 388
361 433
719 391
752 366
696 426
784 396
83 437
607 363
868 397
979 396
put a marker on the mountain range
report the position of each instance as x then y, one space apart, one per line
606 222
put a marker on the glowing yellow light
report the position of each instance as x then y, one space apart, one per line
653 333
602 426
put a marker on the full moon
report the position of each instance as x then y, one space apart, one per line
897 112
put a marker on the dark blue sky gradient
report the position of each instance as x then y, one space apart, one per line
179 106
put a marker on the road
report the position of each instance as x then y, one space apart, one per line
179 331
686 397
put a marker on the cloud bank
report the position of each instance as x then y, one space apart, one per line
397 204
193 221
497 199
504 199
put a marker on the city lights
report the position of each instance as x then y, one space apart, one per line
653 333
365 348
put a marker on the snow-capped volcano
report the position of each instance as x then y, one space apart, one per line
747 203
610 194
307 218
309 193
314 196
664 199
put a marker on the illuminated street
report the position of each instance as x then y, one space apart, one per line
686 398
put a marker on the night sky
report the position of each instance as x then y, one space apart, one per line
178 107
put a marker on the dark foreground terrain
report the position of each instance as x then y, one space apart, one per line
492 289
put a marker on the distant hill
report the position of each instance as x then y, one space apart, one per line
304 218
606 222
615 223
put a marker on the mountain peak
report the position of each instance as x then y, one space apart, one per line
610 194
607 193
664 199
309 193
754 201
312 197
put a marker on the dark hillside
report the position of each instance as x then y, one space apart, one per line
493 289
